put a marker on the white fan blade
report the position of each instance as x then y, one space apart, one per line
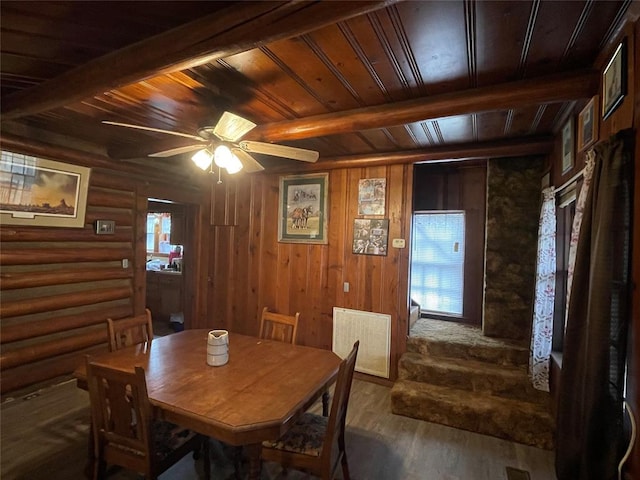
177 151
157 130
293 153
249 163
231 127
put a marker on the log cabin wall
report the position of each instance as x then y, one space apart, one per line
59 285
250 269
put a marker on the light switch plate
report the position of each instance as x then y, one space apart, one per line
105 227
398 243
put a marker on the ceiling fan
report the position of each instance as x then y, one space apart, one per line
221 144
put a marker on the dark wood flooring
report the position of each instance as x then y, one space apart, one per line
44 437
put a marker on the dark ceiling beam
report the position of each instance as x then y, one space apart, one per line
512 95
504 96
519 147
240 27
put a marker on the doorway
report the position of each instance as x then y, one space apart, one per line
447 248
165 265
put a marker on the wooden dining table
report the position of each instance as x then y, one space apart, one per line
256 396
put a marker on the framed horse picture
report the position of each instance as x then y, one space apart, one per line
302 210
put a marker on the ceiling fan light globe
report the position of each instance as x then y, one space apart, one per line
202 158
222 156
234 165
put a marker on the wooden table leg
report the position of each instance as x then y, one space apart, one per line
255 465
325 403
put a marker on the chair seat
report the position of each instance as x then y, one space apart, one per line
305 437
168 437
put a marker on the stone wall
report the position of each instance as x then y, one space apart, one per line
513 210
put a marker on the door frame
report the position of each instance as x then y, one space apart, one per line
192 266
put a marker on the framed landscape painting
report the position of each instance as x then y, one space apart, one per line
302 210
40 192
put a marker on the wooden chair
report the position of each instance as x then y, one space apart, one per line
130 331
284 328
125 432
316 443
280 327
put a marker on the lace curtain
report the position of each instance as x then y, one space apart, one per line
542 328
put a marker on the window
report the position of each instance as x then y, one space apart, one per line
565 211
17 175
437 261
159 233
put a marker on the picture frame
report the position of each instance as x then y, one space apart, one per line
302 209
41 192
370 236
588 124
614 80
371 196
567 145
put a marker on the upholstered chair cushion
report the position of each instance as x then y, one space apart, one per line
306 436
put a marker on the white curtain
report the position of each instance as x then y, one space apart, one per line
542 328
577 221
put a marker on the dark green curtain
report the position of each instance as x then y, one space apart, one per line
589 436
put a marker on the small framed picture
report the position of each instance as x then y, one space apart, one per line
567 146
588 124
370 237
371 196
614 80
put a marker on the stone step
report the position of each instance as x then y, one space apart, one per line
513 420
486 349
472 375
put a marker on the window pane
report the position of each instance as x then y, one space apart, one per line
151 221
437 261
158 232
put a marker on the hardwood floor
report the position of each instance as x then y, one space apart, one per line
44 437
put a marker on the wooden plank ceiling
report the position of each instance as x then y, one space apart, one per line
357 81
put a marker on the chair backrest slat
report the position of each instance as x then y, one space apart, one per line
130 331
278 326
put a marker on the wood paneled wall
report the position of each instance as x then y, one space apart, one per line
251 269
